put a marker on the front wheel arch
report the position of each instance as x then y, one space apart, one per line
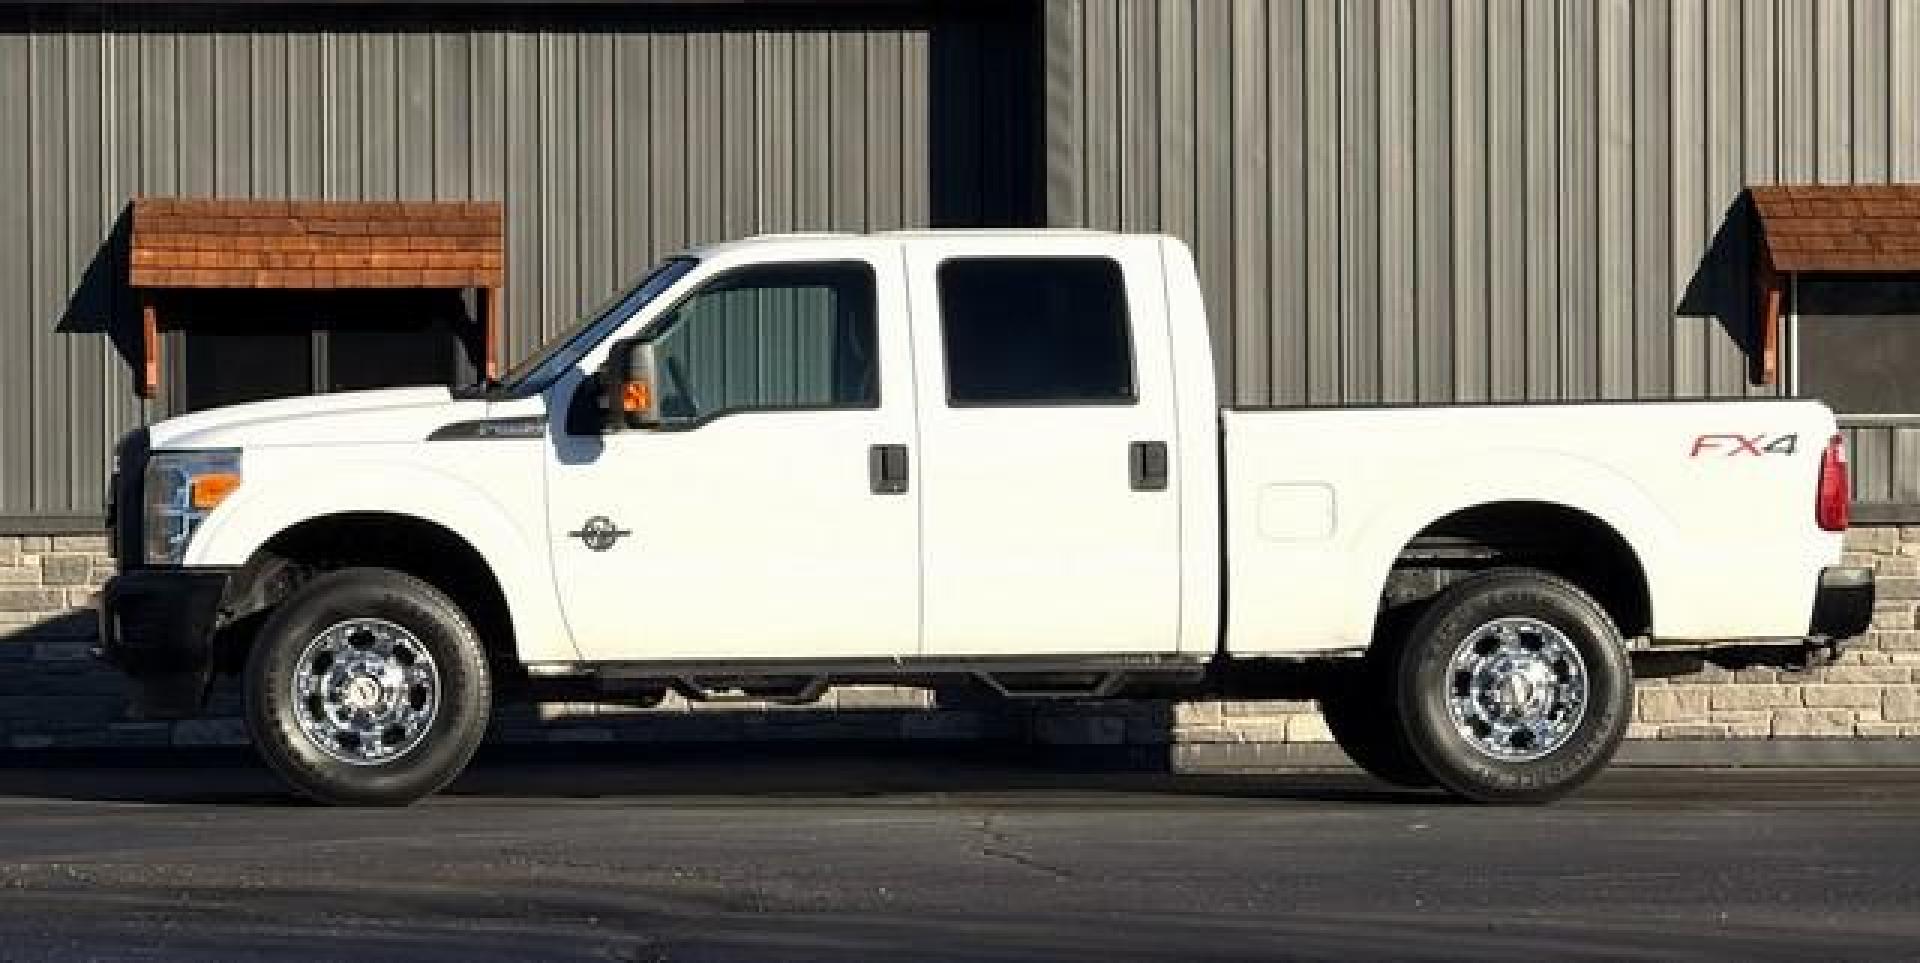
422 549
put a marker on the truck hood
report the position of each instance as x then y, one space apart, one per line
384 416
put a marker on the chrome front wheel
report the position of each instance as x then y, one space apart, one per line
366 691
367 687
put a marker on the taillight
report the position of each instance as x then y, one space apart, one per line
1830 507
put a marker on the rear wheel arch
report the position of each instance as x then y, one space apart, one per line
1571 543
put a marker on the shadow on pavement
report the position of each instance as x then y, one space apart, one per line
730 773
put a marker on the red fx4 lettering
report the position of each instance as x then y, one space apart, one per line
1731 445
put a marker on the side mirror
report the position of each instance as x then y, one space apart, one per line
627 387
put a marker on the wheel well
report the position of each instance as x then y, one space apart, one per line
422 549
1565 541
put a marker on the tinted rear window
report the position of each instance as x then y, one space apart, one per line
1035 331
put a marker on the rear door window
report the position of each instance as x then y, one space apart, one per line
1035 331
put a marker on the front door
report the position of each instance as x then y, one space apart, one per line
753 524
1050 513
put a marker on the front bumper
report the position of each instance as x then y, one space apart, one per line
160 622
1843 606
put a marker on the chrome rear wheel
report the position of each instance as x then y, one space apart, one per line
1520 689
1515 687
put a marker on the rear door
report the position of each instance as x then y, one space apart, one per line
1049 512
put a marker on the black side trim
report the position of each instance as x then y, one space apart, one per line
526 426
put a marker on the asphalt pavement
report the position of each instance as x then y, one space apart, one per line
799 855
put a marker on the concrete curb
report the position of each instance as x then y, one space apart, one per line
1677 753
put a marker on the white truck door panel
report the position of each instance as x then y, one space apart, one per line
1036 537
750 528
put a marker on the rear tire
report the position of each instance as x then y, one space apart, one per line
367 687
1362 710
1515 687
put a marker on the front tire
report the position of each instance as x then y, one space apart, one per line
1515 687
367 687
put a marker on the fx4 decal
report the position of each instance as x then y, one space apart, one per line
1731 445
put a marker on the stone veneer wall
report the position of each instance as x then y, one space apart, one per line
52 695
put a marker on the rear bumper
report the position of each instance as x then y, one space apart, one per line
160 622
1843 605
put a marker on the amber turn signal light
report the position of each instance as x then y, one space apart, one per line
208 491
636 396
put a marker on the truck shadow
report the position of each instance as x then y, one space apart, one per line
726 774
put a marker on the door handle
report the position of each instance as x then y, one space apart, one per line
1147 466
887 469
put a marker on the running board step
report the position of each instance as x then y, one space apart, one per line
796 690
1053 685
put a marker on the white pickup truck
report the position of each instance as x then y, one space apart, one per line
790 462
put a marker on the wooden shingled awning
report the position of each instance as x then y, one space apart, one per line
249 244
1851 228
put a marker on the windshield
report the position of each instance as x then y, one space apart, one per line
564 350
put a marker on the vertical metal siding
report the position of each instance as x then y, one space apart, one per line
615 136
1474 199
1883 457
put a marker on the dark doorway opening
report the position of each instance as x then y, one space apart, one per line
232 346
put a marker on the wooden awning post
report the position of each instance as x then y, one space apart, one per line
490 312
149 346
1771 296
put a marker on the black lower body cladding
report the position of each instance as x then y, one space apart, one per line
157 622
157 626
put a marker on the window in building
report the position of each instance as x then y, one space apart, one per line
796 336
234 346
1857 342
230 362
1035 331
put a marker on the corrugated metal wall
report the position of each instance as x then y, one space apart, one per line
1438 200
613 135
1884 465
1392 200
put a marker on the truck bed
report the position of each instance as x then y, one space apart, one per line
1320 502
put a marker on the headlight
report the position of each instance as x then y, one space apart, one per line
182 488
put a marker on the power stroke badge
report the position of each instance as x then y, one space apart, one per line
599 533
